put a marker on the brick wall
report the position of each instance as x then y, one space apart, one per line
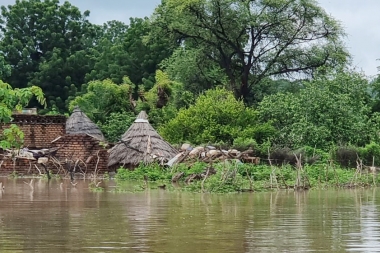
84 149
39 131
21 166
49 131
79 147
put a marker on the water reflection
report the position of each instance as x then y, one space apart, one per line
40 215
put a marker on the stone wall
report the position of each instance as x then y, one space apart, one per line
39 131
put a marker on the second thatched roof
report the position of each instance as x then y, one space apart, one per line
140 143
79 123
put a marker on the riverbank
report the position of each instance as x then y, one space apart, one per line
234 176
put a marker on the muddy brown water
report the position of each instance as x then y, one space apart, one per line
55 216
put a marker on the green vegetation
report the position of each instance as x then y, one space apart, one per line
331 109
15 99
244 42
46 44
215 117
238 177
272 75
94 187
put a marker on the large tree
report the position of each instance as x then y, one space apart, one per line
44 42
251 40
123 50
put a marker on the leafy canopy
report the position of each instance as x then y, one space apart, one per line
123 50
251 40
45 44
101 98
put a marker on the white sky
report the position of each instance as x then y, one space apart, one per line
359 18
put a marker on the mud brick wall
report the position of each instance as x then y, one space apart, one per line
39 131
21 166
83 148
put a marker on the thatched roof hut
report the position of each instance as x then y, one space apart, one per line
140 143
79 123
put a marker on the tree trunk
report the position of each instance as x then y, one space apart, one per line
244 89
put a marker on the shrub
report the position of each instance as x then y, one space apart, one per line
216 116
370 153
153 172
346 156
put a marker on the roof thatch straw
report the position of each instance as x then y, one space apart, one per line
79 123
140 143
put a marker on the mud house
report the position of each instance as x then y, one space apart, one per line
80 144
83 146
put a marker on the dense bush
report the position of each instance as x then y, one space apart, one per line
346 156
216 117
330 110
370 154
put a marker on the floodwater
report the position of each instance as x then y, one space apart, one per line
56 216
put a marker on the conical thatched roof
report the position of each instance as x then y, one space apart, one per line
140 143
79 123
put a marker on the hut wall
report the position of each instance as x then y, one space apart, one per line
21 166
39 131
83 148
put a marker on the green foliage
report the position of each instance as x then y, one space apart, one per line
216 116
370 154
233 176
268 87
164 99
247 42
46 43
116 124
101 98
153 172
123 50
5 69
11 137
195 168
184 66
158 95
331 109
15 99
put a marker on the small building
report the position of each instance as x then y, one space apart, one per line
79 123
140 144
83 145
39 131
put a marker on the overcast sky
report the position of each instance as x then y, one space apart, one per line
360 19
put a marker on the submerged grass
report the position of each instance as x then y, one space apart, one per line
233 176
